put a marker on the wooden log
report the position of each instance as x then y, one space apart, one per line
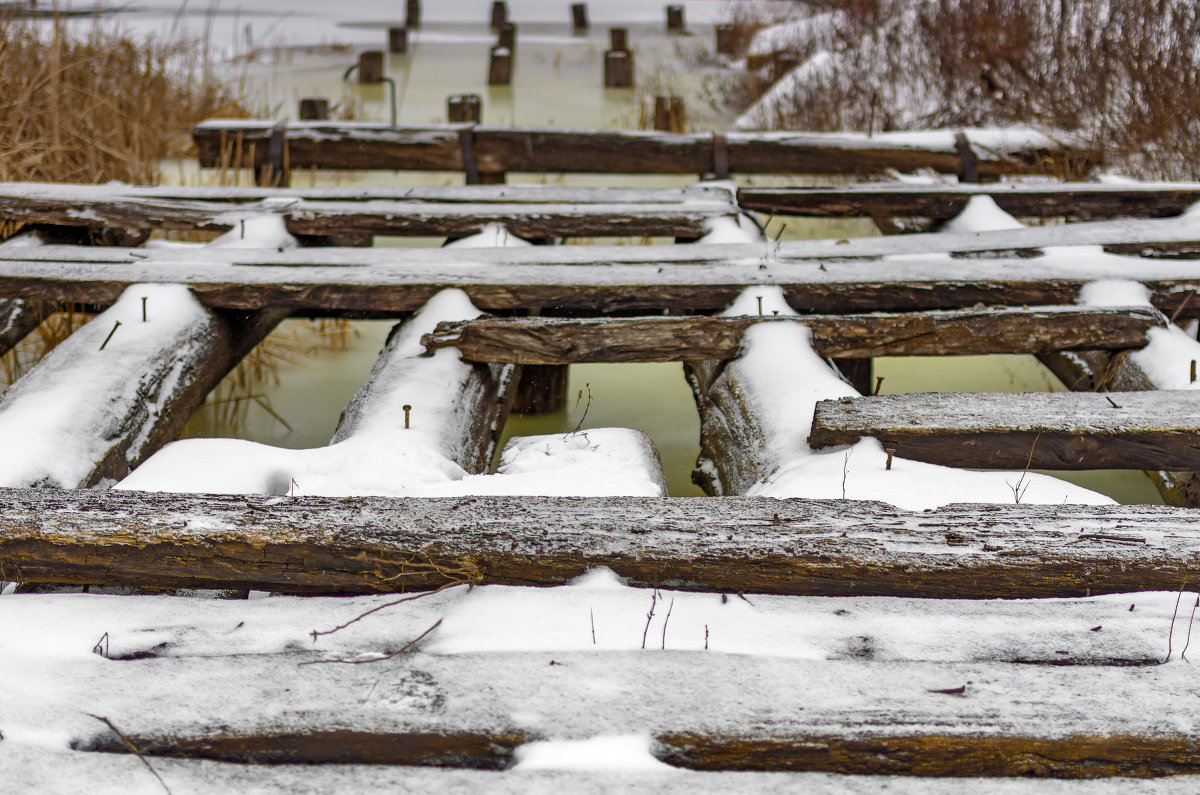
618 39
579 18
540 390
412 16
314 109
742 545
542 341
464 108
567 280
500 67
370 68
1077 201
734 450
726 43
618 69
1135 430
17 319
675 19
103 401
351 146
398 41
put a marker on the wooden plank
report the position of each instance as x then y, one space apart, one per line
757 713
1136 430
566 280
1080 201
103 401
733 545
18 318
542 341
360 145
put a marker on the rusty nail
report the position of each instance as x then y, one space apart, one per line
109 337
890 451
144 300
878 383
407 409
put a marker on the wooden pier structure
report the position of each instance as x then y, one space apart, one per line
547 306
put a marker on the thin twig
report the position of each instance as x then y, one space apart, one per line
402 650
649 617
665 620
593 615
133 748
1191 620
1017 491
1171 631
317 633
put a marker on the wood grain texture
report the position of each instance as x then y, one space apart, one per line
546 341
18 318
1137 430
751 545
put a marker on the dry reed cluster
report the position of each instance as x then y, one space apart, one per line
1121 73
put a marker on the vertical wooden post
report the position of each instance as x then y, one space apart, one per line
398 40
859 372
508 37
726 39
370 67
412 17
500 68
675 19
618 69
273 173
668 114
541 389
464 108
619 39
579 19
499 14
314 109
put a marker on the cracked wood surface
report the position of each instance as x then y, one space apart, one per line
750 545
544 341
1060 430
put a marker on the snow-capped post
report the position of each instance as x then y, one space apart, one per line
412 16
507 37
314 109
500 67
579 18
726 39
618 69
462 108
499 14
675 19
397 40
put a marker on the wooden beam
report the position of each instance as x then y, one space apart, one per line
541 341
103 401
346 146
18 318
733 545
1080 201
1136 430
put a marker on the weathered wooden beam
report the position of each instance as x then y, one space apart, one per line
1136 430
375 146
1081 201
541 341
105 399
751 545
18 318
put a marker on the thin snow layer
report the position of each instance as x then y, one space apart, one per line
732 229
768 110
982 214
59 419
783 378
373 453
1170 356
255 232
491 236
620 752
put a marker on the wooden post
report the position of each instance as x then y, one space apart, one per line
508 37
618 69
397 40
675 19
274 172
619 39
370 67
412 18
668 114
859 372
579 19
464 108
541 389
726 39
314 109
500 68
499 14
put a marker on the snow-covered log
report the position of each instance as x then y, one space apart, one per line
119 388
544 341
747 545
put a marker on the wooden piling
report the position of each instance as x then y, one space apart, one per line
499 14
541 389
669 114
412 18
675 19
370 67
507 37
618 69
726 39
464 108
397 40
314 109
618 39
500 67
579 18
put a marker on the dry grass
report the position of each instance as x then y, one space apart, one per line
1122 73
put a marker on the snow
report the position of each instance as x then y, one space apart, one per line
491 236
630 752
982 214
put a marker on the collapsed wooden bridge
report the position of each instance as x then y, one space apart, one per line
943 294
